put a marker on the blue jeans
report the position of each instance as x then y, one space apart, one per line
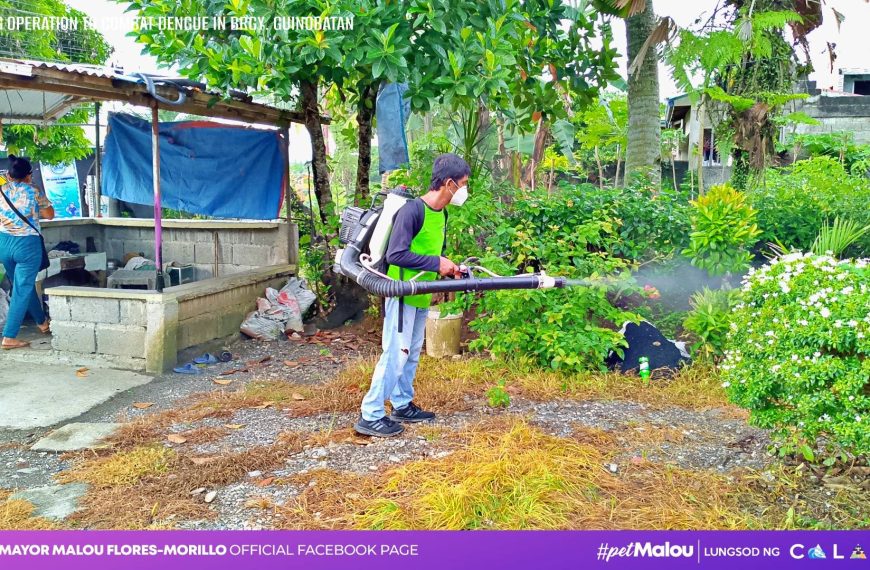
21 256
391 112
394 374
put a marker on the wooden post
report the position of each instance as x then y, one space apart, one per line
97 166
158 208
285 132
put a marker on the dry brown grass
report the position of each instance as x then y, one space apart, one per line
17 514
161 499
455 385
121 469
443 385
505 474
661 497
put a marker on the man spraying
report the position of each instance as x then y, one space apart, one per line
416 244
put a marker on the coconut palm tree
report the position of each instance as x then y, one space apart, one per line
642 154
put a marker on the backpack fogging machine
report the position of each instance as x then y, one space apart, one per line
365 234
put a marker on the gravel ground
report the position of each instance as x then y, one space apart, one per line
22 468
698 440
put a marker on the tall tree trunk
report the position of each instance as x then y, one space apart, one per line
501 162
311 109
618 166
642 155
542 134
701 113
364 114
600 169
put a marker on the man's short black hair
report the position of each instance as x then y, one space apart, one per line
448 167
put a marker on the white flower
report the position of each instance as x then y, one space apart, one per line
858 419
825 312
794 357
853 323
726 384
838 324
817 354
847 290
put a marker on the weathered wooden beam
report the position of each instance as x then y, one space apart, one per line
96 88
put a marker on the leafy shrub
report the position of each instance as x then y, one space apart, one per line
564 328
498 396
840 146
797 352
710 317
723 231
794 204
579 231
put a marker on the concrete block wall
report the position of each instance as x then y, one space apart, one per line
858 126
838 114
94 325
145 330
78 233
219 314
239 249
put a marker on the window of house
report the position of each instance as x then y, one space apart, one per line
862 87
710 154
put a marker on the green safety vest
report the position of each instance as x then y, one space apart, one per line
428 241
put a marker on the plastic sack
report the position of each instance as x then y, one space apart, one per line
261 327
286 307
298 288
280 311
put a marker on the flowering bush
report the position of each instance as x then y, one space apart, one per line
796 354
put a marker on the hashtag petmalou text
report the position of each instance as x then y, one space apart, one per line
645 550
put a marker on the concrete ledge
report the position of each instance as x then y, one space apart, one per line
74 359
179 224
139 329
219 284
96 293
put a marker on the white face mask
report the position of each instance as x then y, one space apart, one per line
460 196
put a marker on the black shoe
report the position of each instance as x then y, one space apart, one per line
383 427
411 414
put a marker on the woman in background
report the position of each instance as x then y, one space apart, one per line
21 247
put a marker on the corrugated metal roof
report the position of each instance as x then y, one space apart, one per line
101 83
92 70
23 106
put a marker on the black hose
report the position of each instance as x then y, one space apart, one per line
349 265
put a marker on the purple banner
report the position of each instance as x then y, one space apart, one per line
327 550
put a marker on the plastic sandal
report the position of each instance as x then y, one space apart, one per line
189 368
207 358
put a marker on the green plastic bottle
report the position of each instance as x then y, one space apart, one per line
643 367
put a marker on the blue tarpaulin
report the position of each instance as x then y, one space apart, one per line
205 168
